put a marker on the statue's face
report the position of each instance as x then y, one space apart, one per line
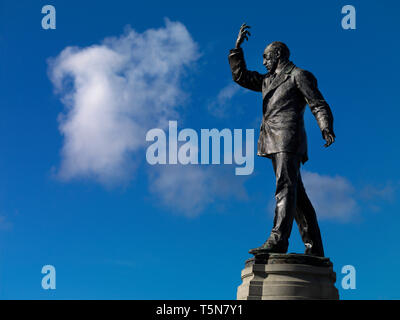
270 59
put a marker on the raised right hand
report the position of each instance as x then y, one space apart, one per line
243 34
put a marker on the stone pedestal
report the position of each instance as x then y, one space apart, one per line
288 277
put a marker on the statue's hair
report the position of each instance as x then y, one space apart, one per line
283 48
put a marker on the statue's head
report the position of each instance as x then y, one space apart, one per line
274 53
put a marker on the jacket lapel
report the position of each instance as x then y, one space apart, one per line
280 78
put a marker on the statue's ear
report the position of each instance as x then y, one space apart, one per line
278 53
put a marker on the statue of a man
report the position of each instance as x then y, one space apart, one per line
286 90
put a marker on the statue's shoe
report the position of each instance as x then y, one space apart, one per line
267 248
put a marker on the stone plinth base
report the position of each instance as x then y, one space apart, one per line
288 277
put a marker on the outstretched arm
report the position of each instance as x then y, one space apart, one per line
307 84
248 79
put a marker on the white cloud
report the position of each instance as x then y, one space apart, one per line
114 92
189 189
332 197
374 193
335 198
222 105
375 196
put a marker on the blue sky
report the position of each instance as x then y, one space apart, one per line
134 231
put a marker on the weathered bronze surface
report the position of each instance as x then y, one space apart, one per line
286 90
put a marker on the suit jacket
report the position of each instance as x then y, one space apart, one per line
284 100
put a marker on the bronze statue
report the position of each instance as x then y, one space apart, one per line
286 91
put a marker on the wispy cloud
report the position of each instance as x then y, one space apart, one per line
375 196
190 189
376 193
114 92
222 105
334 198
